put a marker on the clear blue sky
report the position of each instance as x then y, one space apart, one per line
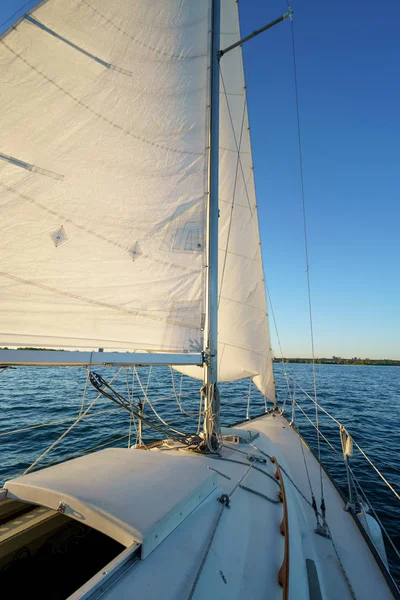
348 59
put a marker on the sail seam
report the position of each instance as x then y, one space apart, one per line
136 313
90 231
148 47
248 349
94 112
243 304
239 255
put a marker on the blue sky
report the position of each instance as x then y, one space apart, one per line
348 60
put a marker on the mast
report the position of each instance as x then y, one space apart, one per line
212 405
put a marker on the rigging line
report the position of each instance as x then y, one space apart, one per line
93 111
99 303
375 468
247 489
130 399
287 475
278 338
340 425
91 232
50 423
62 436
234 185
101 386
315 427
248 399
303 203
374 512
69 456
178 396
240 462
212 535
237 146
341 566
85 390
312 400
152 407
254 224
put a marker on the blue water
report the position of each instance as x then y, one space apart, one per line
366 399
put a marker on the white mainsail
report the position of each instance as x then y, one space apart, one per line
244 345
103 184
103 175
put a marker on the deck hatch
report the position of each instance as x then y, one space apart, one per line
129 495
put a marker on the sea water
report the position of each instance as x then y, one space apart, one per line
366 399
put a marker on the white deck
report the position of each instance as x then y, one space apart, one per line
213 552
247 549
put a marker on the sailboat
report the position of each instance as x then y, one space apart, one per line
130 237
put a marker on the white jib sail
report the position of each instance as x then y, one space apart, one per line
244 341
103 175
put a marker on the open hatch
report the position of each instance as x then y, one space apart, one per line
59 527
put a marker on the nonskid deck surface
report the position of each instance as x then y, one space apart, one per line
237 552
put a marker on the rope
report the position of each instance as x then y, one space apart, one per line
238 147
341 565
239 163
62 436
243 487
279 341
375 469
307 262
213 532
374 513
85 389
313 400
69 456
131 416
341 426
248 400
178 396
147 399
240 462
50 423
106 390
315 427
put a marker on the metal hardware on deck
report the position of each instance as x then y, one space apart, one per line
257 32
206 357
283 576
224 499
61 508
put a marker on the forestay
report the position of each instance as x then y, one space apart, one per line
103 175
244 341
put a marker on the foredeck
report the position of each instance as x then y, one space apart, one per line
238 551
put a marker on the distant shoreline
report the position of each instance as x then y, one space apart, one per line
382 362
335 360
